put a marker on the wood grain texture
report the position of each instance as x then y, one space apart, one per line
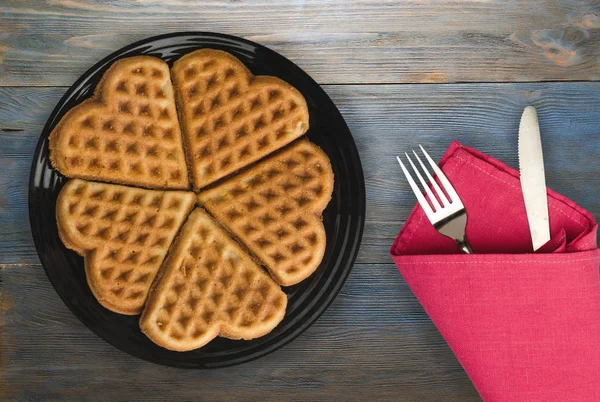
374 343
336 41
385 120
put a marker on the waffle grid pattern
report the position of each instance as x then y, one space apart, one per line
275 208
126 231
230 117
210 287
128 132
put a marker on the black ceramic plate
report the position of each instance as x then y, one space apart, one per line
343 218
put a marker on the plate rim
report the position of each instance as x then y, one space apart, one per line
121 53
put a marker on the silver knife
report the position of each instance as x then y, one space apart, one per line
533 179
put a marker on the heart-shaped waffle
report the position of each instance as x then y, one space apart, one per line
230 117
275 209
123 233
128 132
201 284
208 286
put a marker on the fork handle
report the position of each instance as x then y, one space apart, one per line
465 248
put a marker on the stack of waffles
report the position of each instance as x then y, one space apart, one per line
184 184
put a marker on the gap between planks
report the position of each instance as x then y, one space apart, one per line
338 84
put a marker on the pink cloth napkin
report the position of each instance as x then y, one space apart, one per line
525 326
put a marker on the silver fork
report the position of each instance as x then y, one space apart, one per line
448 214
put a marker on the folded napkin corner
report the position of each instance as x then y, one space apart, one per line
524 326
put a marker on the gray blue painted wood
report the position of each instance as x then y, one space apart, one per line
376 41
385 120
375 342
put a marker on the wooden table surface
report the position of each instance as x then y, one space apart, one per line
402 73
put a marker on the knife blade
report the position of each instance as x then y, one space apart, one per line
533 179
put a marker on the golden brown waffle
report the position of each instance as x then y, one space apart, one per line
128 132
230 117
275 209
208 287
123 233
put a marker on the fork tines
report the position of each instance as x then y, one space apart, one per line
440 207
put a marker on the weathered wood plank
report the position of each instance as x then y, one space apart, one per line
374 342
336 41
385 120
